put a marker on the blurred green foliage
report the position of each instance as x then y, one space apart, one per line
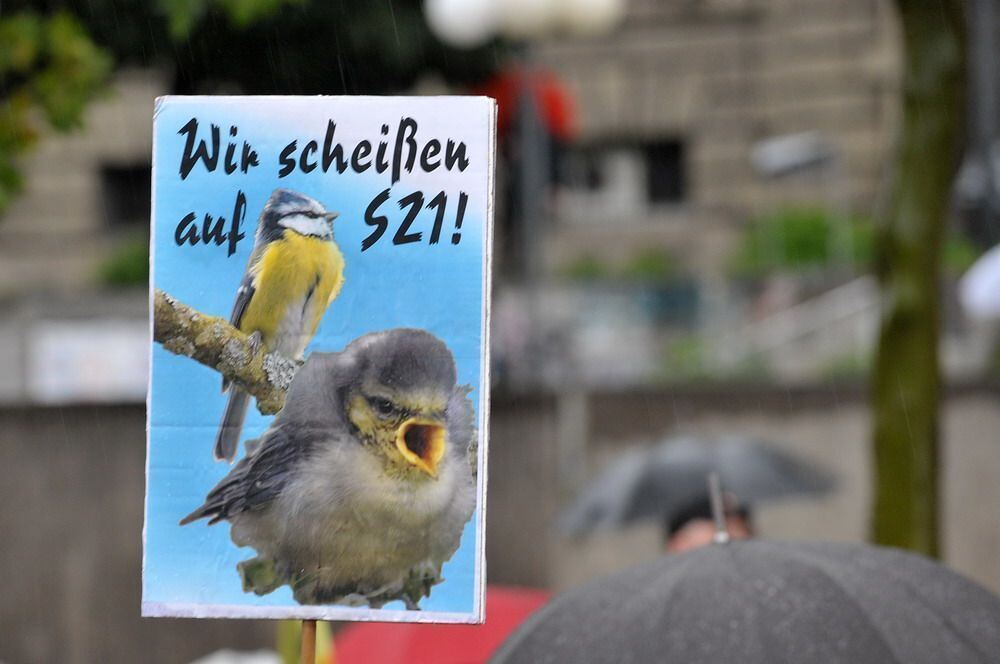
57 55
647 266
586 267
849 366
183 15
127 266
650 265
684 359
280 46
50 69
800 239
959 253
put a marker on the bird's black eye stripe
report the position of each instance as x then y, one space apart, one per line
310 214
381 406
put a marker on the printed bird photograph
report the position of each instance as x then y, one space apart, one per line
361 487
347 474
294 272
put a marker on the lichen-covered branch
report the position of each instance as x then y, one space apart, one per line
215 343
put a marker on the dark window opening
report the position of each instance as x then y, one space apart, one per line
126 192
582 169
664 171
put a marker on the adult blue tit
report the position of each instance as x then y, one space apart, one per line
294 273
360 489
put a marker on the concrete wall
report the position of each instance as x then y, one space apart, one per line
71 490
540 458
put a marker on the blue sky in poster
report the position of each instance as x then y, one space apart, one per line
438 288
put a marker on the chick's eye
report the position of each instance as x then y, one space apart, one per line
381 406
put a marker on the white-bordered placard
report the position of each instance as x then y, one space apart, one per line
345 244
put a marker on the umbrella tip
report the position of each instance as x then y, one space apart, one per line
721 535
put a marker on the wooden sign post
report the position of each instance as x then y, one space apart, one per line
308 655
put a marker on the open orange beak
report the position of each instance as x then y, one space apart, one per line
421 442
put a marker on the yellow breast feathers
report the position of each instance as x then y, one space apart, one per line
288 270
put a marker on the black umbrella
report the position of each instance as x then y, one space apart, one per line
764 602
658 482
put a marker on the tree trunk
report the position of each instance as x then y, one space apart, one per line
906 381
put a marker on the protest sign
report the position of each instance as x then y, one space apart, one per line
319 383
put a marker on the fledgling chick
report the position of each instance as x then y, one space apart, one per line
360 489
294 273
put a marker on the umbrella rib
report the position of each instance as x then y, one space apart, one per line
535 620
525 629
951 627
811 563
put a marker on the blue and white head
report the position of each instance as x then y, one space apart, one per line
291 210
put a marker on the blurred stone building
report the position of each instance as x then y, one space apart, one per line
672 105
673 108
86 194
68 332
697 117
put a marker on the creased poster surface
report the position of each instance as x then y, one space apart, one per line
346 239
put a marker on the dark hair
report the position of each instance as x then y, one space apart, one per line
702 509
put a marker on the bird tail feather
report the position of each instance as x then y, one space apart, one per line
194 516
228 438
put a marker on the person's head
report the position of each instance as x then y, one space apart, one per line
693 526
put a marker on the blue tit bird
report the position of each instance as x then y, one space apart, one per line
295 271
359 491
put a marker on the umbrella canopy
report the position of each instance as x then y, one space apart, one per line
415 643
979 289
658 482
759 602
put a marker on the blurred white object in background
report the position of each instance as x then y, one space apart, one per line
587 17
791 153
528 19
463 23
979 288
88 361
472 23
